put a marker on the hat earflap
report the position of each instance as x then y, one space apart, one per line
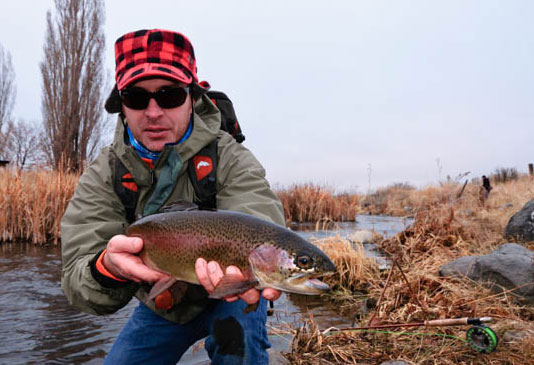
113 102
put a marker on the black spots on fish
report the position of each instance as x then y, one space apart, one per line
229 336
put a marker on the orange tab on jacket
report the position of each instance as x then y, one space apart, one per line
164 300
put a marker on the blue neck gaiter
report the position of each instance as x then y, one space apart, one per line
144 152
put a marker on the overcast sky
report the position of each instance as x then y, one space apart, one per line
349 93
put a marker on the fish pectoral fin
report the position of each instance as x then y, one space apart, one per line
232 285
160 286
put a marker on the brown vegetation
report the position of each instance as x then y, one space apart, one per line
446 227
32 204
312 203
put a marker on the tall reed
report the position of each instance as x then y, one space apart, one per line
32 204
311 203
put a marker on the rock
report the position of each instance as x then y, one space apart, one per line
521 225
395 362
366 306
509 266
517 335
364 236
276 358
460 267
506 206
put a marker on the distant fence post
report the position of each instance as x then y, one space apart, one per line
531 169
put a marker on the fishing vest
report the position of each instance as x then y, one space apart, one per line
202 168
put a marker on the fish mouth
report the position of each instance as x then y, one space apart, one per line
316 284
306 284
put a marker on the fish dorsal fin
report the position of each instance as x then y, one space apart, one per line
178 206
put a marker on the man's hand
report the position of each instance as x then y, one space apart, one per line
121 260
210 274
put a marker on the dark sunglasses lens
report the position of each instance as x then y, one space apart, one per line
135 98
171 97
167 98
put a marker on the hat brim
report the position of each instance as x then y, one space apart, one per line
145 70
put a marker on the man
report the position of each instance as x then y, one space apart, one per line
486 185
164 120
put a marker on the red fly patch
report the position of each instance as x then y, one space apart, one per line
203 166
128 182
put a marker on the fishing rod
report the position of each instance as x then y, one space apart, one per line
479 337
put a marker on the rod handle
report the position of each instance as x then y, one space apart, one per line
457 321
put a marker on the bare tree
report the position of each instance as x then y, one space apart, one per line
8 93
22 143
73 77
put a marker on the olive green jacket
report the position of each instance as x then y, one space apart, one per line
95 212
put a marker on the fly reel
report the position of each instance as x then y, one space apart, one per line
481 338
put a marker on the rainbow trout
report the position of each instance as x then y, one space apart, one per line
270 256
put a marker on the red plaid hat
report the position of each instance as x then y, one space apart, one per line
154 52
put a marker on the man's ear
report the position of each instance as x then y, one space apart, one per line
113 102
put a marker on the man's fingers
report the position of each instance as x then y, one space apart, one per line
121 260
201 269
131 267
251 296
209 274
138 271
234 270
271 294
122 243
215 273
231 299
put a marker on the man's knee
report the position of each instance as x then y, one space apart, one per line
229 336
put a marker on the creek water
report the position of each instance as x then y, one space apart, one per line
37 324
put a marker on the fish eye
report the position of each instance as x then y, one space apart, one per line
304 262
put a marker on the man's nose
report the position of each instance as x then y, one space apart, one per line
153 110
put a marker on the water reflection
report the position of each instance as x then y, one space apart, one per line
38 325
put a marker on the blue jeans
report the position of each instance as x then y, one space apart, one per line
232 337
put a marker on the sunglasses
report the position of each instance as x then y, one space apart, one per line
166 97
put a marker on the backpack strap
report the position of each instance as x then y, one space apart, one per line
126 188
202 170
229 121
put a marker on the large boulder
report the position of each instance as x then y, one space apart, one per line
509 266
521 226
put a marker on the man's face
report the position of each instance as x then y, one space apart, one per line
155 126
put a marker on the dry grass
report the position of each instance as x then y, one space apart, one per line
354 268
32 204
419 346
311 203
447 226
